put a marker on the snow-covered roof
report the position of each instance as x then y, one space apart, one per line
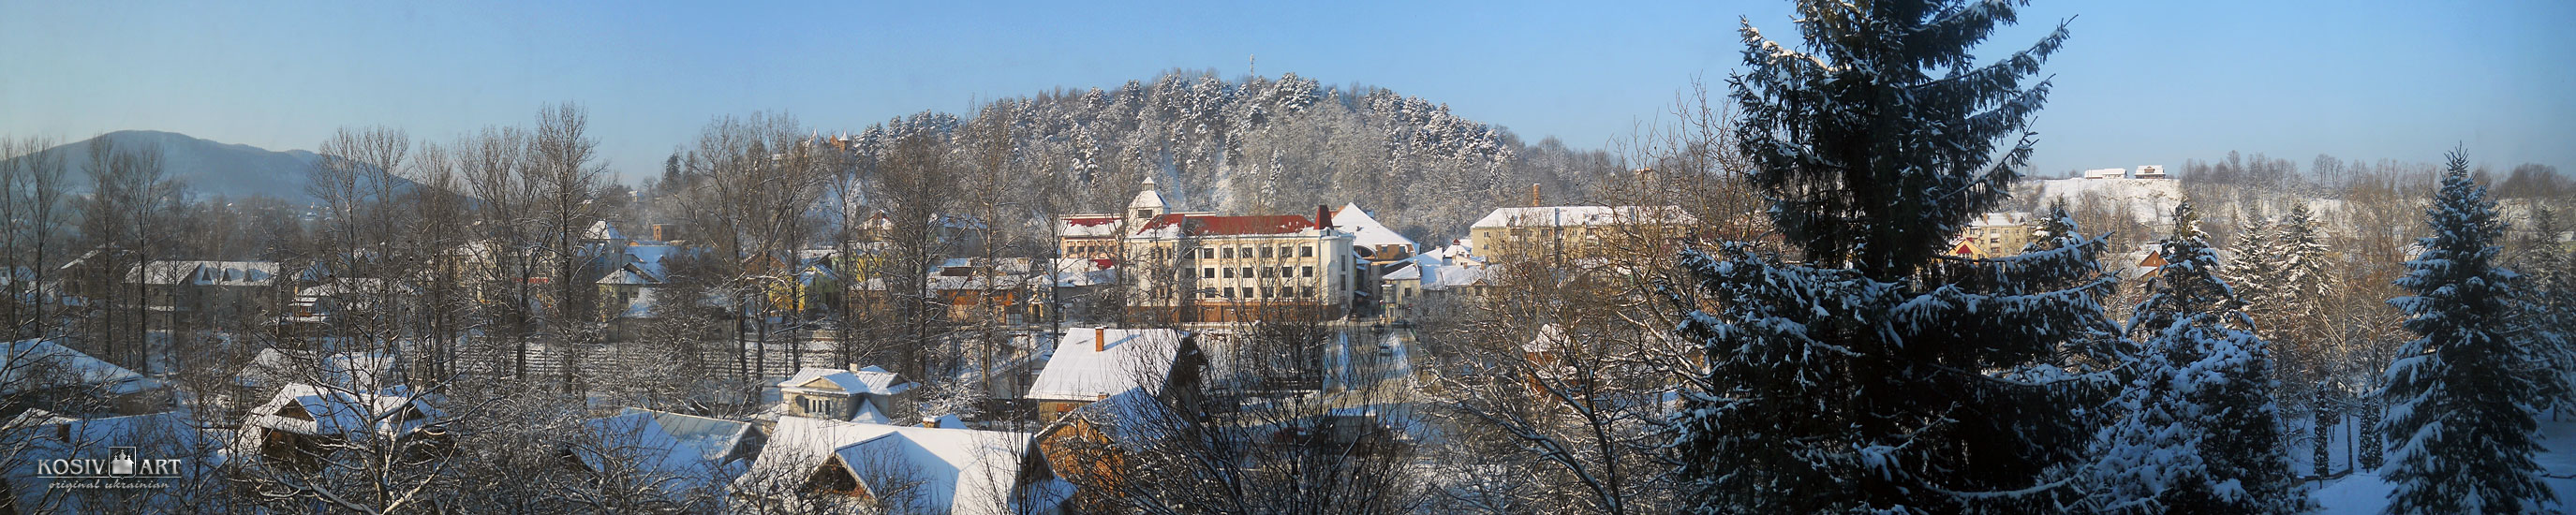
631 275
1550 338
1365 230
649 258
602 230
1091 226
2000 219
869 380
36 364
1441 270
960 471
681 451
1131 418
1132 358
1565 216
206 273
1147 198
47 438
343 412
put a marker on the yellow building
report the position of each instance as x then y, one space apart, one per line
1994 235
1573 232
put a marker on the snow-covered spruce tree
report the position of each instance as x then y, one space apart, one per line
2462 396
2199 432
1876 375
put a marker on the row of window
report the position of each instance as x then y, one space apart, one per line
1230 272
1248 292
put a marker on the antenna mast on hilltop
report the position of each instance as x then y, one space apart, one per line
1252 64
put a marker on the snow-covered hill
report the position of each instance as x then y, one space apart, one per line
2150 200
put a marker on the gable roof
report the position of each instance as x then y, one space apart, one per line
870 380
962 471
685 451
37 364
155 436
1365 230
602 230
1132 358
343 412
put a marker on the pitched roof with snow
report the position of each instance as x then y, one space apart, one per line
344 412
1097 226
1132 358
602 230
683 451
1365 230
29 365
870 380
155 436
961 471
1568 216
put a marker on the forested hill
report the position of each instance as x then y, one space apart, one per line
1258 145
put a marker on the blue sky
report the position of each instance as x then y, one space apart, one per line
2140 83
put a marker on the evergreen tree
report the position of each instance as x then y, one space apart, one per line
1880 376
2201 432
2462 397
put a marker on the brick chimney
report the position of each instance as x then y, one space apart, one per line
1534 200
1323 216
1100 339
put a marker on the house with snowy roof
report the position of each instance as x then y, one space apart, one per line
1092 447
604 233
1373 239
302 424
1090 364
1433 281
1190 267
41 373
1573 232
200 292
815 465
166 448
671 452
867 394
1994 235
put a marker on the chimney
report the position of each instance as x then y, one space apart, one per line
1100 339
929 421
1534 195
1323 216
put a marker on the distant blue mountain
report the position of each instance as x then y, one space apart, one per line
207 168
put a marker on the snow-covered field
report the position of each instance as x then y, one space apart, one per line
2363 493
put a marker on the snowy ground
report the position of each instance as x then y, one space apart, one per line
2364 494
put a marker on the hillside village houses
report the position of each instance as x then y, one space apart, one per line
1072 381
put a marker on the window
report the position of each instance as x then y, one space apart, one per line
1207 253
1229 252
1265 252
1266 272
1207 273
1229 292
1309 292
1265 292
1306 251
1247 272
1306 271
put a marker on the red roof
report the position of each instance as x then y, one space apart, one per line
1231 225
